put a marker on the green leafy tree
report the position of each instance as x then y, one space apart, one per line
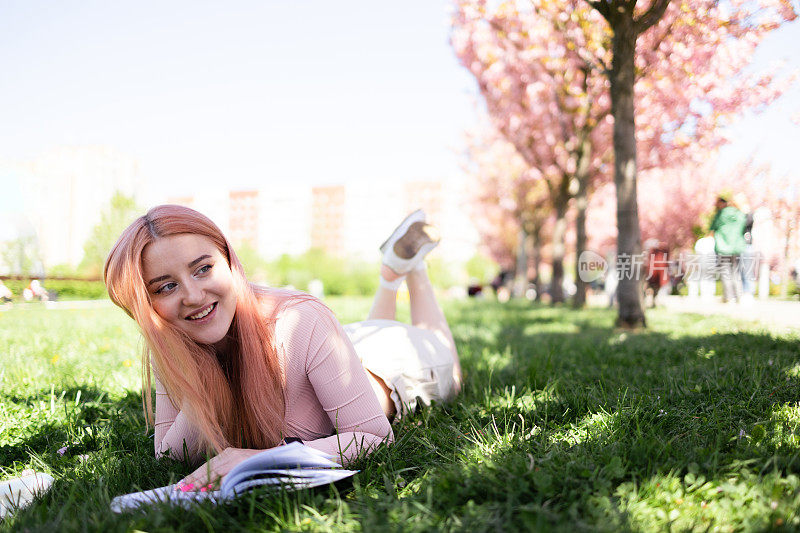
116 217
255 267
21 256
62 270
481 268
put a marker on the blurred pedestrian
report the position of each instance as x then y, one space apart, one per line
34 290
657 281
748 266
501 283
727 228
612 278
474 288
316 288
5 293
702 277
765 245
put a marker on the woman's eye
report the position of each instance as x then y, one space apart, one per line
166 287
203 269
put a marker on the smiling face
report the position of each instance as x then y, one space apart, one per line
191 286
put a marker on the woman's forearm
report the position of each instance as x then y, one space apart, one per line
177 438
349 445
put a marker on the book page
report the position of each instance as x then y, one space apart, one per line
170 493
294 455
294 479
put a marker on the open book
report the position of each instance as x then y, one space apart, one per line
293 466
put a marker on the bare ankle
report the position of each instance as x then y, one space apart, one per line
420 272
388 274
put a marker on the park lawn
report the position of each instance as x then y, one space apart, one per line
564 424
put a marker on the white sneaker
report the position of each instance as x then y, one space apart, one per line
409 243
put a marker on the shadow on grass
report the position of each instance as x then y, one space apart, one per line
558 421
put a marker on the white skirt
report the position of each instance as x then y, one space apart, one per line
415 363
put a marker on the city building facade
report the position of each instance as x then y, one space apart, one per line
343 220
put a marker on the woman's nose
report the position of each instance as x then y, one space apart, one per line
192 293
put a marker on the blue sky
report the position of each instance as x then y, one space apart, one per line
248 93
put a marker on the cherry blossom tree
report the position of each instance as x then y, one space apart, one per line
538 82
696 32
544 68
511 208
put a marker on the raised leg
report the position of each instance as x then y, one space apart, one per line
385 303
426 314
403 255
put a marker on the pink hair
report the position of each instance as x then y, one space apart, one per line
240 403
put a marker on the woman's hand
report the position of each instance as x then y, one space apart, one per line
212 472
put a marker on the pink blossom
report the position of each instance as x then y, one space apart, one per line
540 69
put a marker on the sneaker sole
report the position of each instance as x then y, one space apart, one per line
404 266
399 231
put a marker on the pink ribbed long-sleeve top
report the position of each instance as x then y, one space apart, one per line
330 403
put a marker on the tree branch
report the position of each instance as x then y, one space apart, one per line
588 59
603 7
651 16
656 42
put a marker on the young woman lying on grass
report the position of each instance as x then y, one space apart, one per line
240 368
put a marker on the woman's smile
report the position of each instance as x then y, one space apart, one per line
204 315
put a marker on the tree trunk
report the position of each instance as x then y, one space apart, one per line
581 201
521 277
536 259
629 241
786 268
559 234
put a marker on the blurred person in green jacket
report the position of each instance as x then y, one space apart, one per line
728 228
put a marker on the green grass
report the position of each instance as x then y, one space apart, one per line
564 424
